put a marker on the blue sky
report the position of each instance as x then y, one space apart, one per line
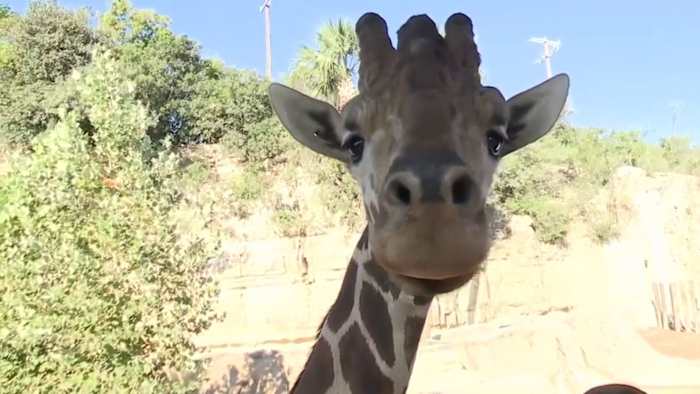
629 61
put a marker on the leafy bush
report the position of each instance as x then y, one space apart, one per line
49 42
246 189
603 228
260 142
265 140
680 155
165 67
195 174
5 11
290 221
248 185
38 50
191 99
554 179
100 293
194 100
339 191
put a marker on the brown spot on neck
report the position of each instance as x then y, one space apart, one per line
359 368
374 313
413 330
363 243
422 300
317 375
340 311
381 278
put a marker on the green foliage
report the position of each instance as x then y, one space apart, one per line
195 174
23 112
260 142
226 104
680 155
192 100
246 189
322 71
339 191
165 67
604 227
100 294
248 186
554 179
265 140
37 51
290 221
123 24
49 42
5 11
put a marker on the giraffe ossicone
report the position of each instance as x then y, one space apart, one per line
423 139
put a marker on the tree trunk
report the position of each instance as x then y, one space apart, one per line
346 91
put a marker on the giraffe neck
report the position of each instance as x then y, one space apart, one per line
368 341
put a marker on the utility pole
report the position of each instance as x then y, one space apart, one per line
265 9
549 48
676 107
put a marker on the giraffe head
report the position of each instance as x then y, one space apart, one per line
423 139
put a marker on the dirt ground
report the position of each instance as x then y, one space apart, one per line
673 344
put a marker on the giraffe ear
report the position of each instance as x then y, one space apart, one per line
314 123
534 112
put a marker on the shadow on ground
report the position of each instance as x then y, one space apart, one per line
262 372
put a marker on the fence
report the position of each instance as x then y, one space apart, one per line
677 305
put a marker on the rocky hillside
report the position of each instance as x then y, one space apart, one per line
570 307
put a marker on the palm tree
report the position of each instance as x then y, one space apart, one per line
327 71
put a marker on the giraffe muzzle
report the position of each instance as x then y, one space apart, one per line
438 242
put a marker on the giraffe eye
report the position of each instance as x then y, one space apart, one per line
494 143
355 145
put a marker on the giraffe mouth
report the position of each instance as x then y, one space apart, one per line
438 258
435 286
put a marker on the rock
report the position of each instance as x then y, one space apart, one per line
504 327
521 228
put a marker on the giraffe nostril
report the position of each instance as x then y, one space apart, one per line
403 194
460 190
400 192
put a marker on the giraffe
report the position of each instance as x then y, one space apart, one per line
422 139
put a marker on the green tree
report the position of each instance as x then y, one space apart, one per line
228 102
166 67
41 49
233 107
124 24
5 11
100 291
6 18
680 155
556 179
328 69
194 100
